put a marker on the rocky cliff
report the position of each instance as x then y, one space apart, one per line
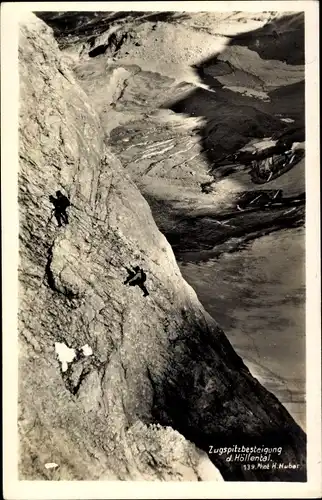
114 385
186 100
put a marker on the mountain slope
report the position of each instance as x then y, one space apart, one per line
112 385
179 94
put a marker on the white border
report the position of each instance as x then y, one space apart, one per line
16 490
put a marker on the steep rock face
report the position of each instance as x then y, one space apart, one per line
221 83
112 385
88 415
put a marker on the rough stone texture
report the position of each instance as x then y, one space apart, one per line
162 378
178 95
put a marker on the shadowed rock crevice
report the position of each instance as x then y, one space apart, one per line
48 271
99 50
73 382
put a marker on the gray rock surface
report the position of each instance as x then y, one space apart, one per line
220 81
162 383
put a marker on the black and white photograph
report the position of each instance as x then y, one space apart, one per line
162 209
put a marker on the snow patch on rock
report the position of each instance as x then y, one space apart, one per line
65 354
287 120
51 465
87 350
249 92
258 145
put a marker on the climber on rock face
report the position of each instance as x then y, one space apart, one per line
61 203
137 277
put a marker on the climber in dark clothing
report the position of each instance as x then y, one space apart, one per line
137 277
61 203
